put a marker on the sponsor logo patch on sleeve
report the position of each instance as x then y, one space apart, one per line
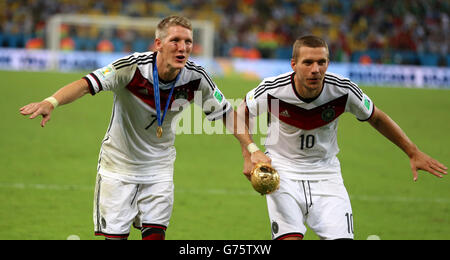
218 96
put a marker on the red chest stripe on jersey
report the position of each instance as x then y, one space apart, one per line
143 89
309 119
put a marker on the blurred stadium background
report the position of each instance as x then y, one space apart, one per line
380 31
48 176
369 32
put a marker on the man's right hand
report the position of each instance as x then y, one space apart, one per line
255 158
43 108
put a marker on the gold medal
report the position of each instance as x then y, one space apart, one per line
159 132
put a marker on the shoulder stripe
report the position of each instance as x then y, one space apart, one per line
136 61
272 84
273 87
131 57
126 59
342 80
278 79
281 81
140 60
191 66
145 62
344 85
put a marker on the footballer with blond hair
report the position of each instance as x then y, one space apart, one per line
136 162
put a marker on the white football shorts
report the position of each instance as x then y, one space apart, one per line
118 205
323 205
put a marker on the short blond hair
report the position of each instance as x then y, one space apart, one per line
308 41
174 20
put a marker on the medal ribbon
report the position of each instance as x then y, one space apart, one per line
157 95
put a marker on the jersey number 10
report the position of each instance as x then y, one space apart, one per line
307 141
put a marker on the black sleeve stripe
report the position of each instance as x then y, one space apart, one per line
145 62
260 87
272 85
225 110
128 61
202 71
342 79
123 60
347 86
139 60
280 80
204 74
130 58
225 107
100 87
345 81
91 88
277 86
273 82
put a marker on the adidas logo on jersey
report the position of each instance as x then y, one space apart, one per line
285 113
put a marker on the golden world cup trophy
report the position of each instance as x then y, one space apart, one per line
264 178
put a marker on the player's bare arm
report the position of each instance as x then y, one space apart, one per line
241 131
65 95
254 157
418 160
242 113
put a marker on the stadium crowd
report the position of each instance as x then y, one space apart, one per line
365 31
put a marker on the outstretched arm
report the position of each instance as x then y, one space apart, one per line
418 160
250 152
65 95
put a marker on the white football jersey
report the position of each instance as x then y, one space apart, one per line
302 134
131 151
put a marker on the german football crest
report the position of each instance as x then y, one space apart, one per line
308 119
181 94
328 114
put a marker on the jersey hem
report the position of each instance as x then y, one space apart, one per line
162 176
309 177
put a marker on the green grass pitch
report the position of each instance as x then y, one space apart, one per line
48 174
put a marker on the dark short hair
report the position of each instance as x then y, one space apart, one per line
308 41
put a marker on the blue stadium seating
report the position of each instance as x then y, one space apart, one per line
283 53
118 44
85 43
140 45
14 40
428 59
